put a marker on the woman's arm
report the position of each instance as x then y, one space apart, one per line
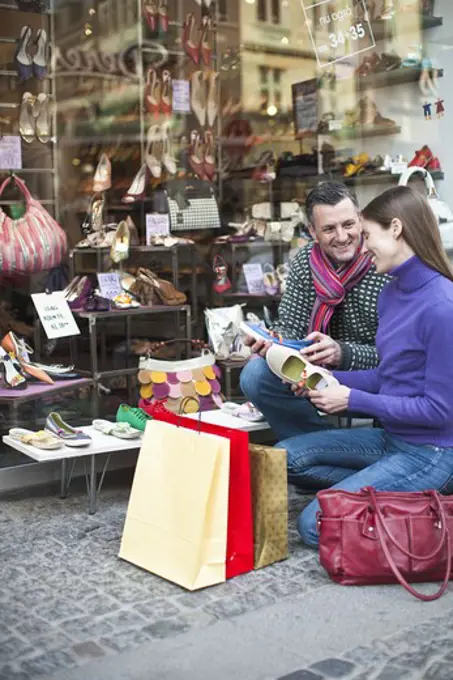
366 381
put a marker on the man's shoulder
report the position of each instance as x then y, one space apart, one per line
301 261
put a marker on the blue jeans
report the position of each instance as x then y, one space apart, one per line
287 414
352 459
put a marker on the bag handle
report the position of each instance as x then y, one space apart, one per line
384 532
21 185
429 182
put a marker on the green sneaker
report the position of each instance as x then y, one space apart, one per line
136 417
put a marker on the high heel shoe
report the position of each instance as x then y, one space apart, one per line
152 92
94 219
154 150
103 175
22 59
198 97
212 103
209 155
43 109
10 373
138 187
196 158
121 244
163 16
206 39
149 12
40 58
27 123
166 96
190 47
168 159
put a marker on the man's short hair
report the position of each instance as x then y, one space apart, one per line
327 193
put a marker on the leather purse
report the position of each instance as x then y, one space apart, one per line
32 243
374 537
182 386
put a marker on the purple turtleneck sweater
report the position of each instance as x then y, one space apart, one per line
411 391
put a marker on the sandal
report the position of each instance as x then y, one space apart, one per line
119 430
41 439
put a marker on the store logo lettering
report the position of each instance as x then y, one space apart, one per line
76 61
336 16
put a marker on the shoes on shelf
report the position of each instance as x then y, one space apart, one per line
135 417
163 17
96 303
206 40
121 244
154 151
164 290
191 47
149 12
10 372
66 434
121 430
137 190
40 440
94 219
282 272
40 58
198 97
27 123
153 89
212 103
43 110
125 301
196 155
209 168
289 365
103 175
22 58
356 164
168 159
77 295
434 165
166 99
422 157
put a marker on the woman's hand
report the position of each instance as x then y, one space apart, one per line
331 399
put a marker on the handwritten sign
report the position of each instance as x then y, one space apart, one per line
337 30
109 285
181 96
254 278
55 315
156 225
10 153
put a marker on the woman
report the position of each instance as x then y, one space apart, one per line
411 392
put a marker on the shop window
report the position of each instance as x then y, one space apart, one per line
264 99
223 12
264 75
275 11
262 10
277 76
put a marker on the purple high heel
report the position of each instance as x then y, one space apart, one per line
80 295
22 59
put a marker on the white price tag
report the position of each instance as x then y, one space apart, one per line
156 225
10 153
109 285
181 96
254 278
55 315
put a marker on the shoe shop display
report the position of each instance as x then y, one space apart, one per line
135 417
121 243
121 430
67 435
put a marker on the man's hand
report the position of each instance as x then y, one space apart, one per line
322 351
257 346
331 399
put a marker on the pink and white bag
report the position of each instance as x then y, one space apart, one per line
34 242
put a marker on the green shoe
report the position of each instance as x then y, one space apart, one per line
136 417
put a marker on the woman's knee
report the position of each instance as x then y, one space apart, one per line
306 524
252 376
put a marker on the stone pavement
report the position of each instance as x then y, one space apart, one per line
70 609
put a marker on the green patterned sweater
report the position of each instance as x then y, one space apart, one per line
354 322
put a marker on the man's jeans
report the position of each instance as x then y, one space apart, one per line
287 414
352 459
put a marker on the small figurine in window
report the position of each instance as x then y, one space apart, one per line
427 110
440 109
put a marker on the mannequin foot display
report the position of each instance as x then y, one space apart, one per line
291 367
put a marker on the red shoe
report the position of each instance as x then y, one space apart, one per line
152 92
149 11
163 16
422 157
206 37
190 47
209 155
434 165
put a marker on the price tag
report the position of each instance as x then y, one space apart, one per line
337 30
10 153
109 285
55 315
156 225
254 278
181 96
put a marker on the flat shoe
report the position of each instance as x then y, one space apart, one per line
119 430
41 439
292 368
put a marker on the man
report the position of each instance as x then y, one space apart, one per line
331 299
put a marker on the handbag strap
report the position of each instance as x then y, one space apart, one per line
429 182
20 184
383 532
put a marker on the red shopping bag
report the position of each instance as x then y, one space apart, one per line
239 558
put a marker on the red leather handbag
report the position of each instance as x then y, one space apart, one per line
374 537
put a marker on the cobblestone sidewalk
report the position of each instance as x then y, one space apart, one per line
65 597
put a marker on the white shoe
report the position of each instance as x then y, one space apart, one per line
213 98
198 97
119 430
154 150
291 367
168 159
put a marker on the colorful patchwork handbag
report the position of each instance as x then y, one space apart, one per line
32 243
172 382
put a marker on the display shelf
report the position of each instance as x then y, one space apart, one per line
380 178
39 390
364 131
249 296
380 27
398 76
118 313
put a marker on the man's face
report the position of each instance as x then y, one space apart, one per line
337 229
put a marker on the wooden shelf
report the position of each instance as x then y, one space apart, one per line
382 28
398 76
363 131
381 178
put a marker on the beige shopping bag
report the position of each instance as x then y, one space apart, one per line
270 504
176 522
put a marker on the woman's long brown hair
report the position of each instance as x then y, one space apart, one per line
420 228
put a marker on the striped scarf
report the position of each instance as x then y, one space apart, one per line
331 285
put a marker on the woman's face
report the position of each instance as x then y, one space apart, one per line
381 245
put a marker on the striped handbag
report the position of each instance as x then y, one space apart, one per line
32 243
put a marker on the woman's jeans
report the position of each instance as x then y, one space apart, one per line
287 414
352 459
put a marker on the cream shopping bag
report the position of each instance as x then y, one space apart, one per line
268 469
176 522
